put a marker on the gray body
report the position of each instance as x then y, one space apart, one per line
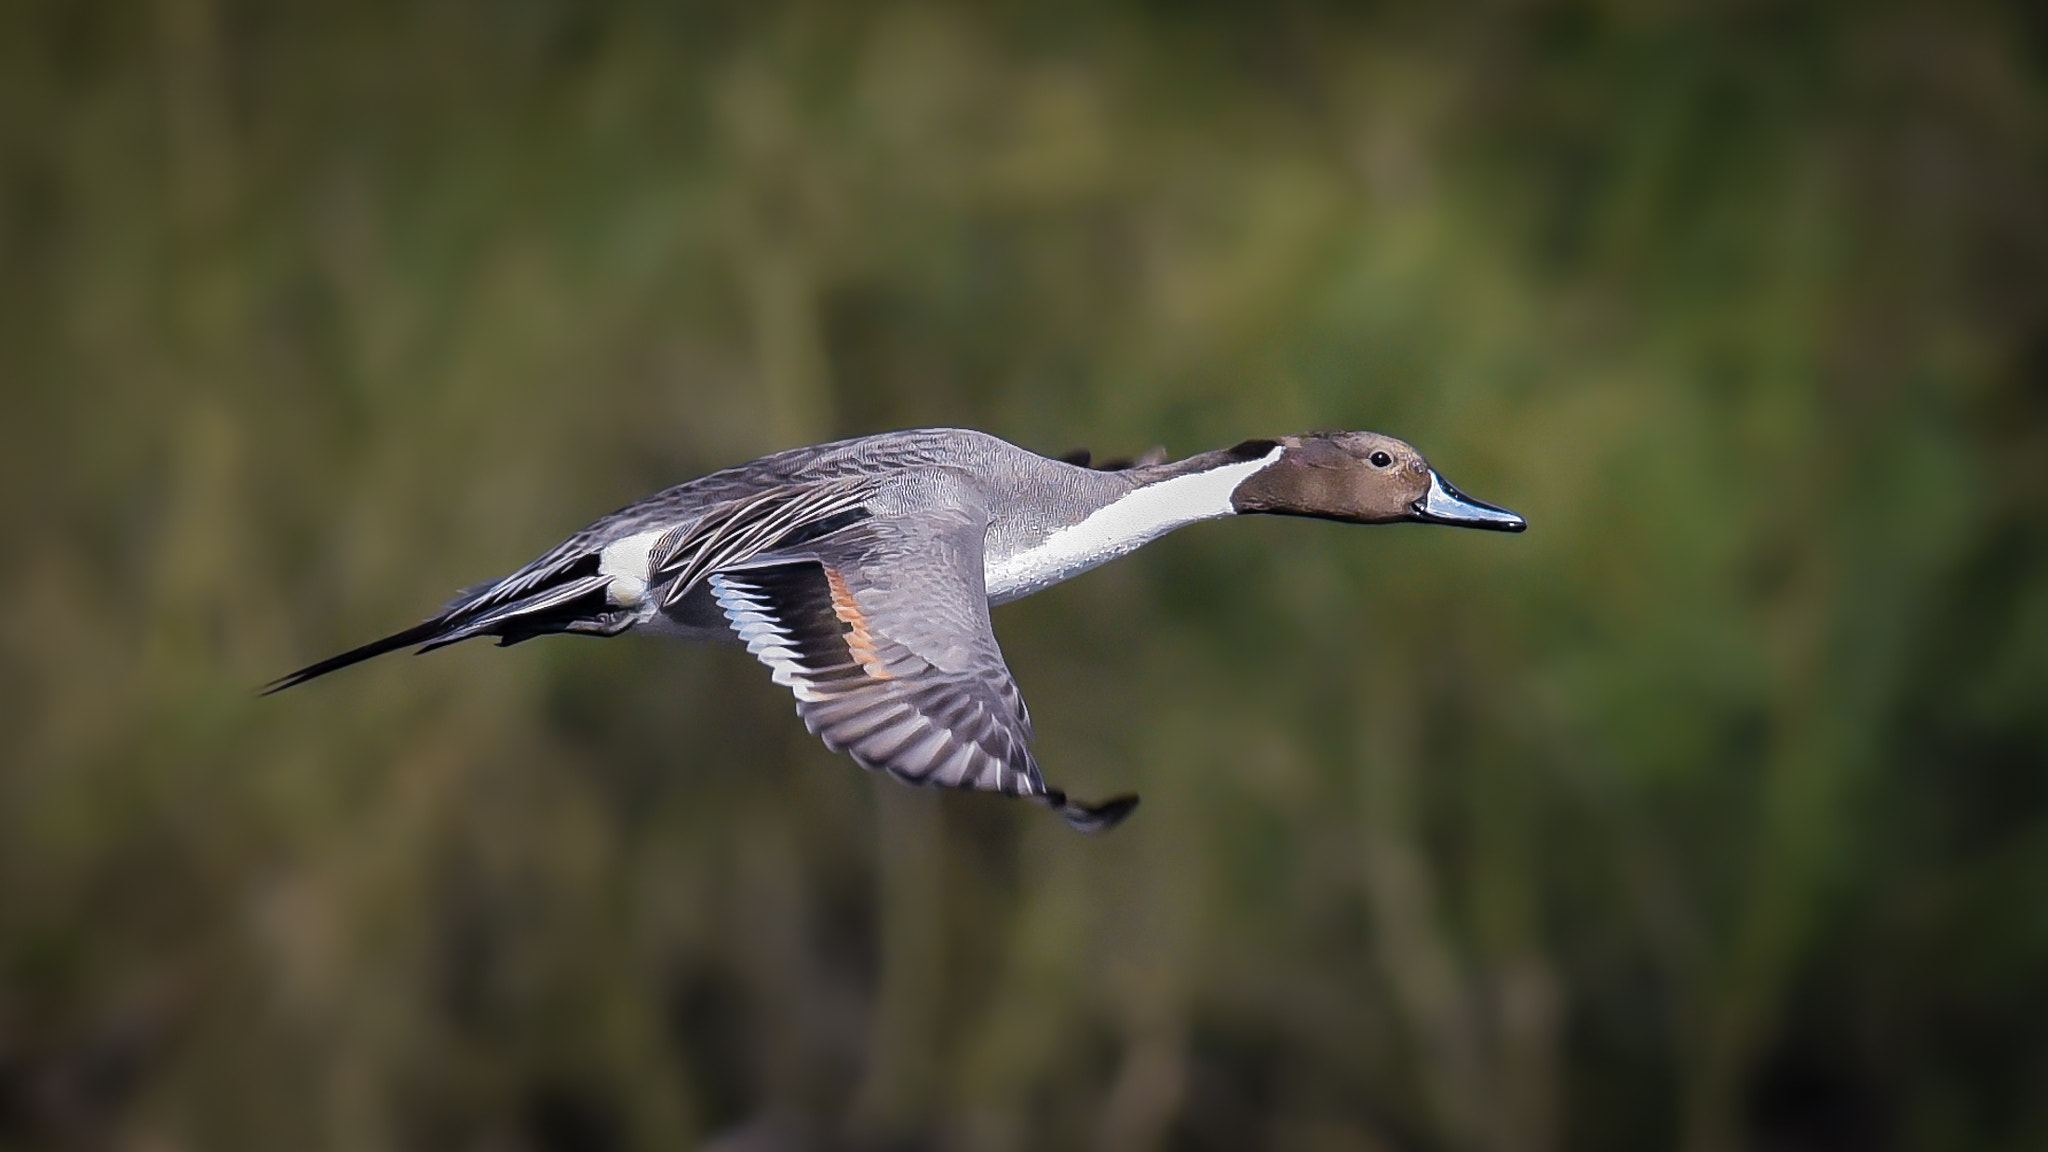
1026 497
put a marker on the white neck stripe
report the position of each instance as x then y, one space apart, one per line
1133 520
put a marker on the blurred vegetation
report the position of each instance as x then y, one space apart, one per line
1711 814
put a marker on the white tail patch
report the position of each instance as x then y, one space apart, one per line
628 561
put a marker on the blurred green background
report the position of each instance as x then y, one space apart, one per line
1711 814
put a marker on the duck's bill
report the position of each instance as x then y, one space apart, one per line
1444 504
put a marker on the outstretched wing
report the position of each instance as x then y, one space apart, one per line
881 630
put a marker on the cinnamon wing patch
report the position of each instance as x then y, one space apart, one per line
860 640
867 695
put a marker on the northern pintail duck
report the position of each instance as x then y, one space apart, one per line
861 573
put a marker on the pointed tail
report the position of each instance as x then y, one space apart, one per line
572 602
417 634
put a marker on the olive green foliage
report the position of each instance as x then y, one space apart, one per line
1710 814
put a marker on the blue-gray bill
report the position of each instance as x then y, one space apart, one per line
1443 504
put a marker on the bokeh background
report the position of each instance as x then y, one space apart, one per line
1712 814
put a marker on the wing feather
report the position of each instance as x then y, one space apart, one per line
881 674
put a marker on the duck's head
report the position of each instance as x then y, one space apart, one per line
1359 478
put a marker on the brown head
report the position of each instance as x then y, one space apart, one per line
1359 478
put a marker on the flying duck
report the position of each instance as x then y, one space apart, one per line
861 573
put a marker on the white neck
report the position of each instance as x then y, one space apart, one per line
1119 528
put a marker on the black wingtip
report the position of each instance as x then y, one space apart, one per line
1086 817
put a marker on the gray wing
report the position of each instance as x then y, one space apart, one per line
881 630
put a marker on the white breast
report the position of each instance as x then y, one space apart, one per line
1118 529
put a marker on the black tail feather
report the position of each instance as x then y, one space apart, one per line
417 634
573 605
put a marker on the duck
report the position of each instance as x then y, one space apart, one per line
861 574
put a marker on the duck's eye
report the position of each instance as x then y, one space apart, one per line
1380 459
